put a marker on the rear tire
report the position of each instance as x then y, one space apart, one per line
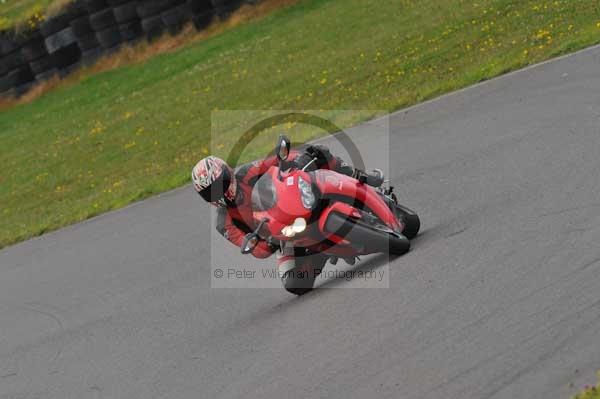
411 221
371 239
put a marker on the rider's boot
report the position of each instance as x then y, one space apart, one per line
373 178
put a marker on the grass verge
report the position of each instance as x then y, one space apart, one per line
119 136
143 50
27 13
592 392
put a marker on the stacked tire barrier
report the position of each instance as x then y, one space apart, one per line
87 29
16 75
60 42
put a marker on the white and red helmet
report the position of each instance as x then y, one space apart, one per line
215 181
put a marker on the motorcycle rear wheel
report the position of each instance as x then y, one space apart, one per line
372 239
411 221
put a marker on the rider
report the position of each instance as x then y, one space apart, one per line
231 190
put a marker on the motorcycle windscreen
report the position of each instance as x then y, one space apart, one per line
264 195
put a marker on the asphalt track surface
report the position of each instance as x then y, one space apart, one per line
499 297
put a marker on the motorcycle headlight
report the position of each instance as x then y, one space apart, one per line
297 227
308 197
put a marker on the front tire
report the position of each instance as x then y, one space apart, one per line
301 278
297 285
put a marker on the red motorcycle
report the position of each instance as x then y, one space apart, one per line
325 212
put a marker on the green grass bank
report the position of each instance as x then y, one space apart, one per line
19 12
592 392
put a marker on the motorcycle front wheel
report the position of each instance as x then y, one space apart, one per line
301 279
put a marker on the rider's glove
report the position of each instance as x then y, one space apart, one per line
262 250
321 153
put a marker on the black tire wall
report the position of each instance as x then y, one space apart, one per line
87 29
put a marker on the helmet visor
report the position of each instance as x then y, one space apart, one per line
215 193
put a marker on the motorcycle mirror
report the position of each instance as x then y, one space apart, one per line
249 243
283 148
